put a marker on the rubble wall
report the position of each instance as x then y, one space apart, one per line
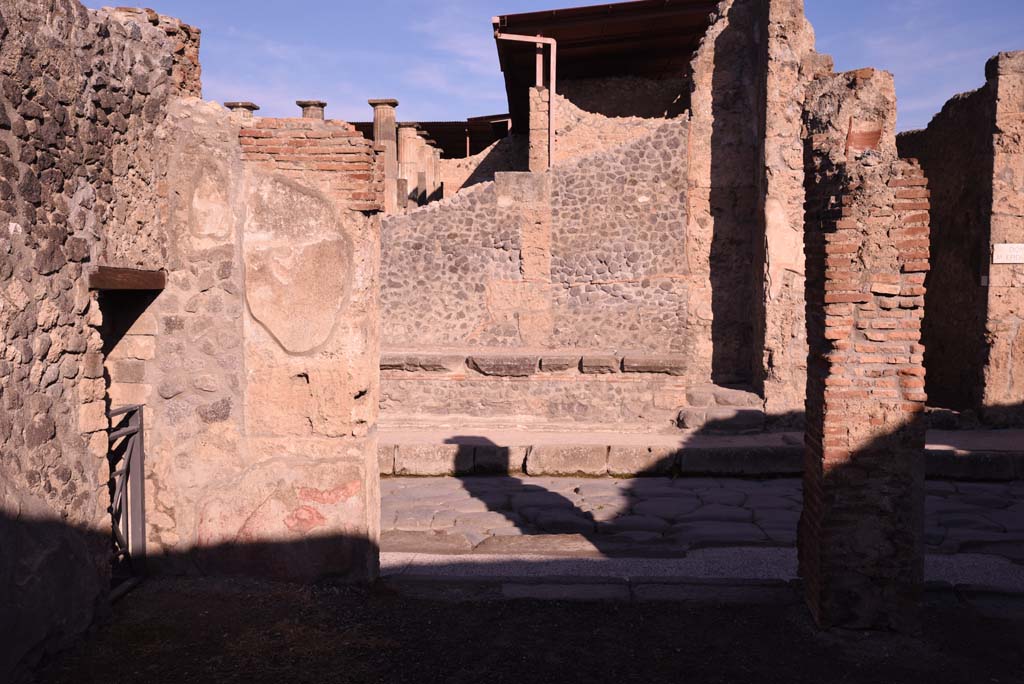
82 94
534 264
972 155
263 428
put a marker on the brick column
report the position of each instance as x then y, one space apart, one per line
867 249
385 134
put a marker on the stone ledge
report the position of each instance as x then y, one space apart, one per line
622 461
665 365
504 366
429 363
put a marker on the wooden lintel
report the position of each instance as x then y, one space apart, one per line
110 278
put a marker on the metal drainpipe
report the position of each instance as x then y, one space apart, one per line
553 77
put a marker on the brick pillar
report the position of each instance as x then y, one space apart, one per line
385 134
539 141
867 249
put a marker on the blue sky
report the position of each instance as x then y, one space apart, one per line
438 57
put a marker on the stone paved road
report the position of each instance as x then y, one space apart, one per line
659 516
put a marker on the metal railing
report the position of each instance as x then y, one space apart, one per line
127 458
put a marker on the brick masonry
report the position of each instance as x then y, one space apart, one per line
861 532
330 153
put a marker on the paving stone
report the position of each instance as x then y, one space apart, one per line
638 537
1011 521
961 521
604 513
567 460
936 506
539 500
444 520
780 534
934 535
573 545
1012 550
415 519
776 517
467 505
990 500
983 488
696 483
939 487
489 521
715 533
762 501
633 523
674 508
655 488
719 513
401 541
727 497
562 521
602 488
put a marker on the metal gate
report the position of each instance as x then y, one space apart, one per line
127 459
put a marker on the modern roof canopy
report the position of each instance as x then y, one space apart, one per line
643 38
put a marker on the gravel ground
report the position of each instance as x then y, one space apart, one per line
239 631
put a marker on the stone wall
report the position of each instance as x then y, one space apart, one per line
971 154
724 187
780 346
262 430
82 93
533 264
861 530
629 96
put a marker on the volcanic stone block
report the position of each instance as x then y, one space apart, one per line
499 460
667 365
599 365
504 366
429 363
558 364
433 459
567 460
627 461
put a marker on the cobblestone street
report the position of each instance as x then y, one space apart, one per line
660 516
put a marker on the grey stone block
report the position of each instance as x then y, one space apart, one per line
664 364
600 365
428 363
558 364
627 461
568 460
433 459
499 460
504 366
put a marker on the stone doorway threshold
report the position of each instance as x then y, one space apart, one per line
620 539
982 455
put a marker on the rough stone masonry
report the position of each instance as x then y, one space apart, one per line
748 236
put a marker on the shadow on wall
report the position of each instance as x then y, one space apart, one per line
54 580
734 198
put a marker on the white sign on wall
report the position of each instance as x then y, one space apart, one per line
1008 254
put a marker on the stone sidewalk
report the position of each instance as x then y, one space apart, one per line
659 517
